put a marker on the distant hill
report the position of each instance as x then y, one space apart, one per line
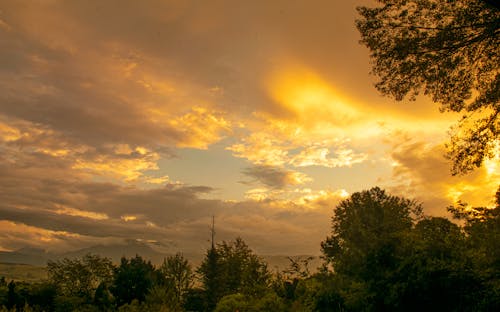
39 257
22 272
28 255
116 251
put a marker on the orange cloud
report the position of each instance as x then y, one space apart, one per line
8 133
318 156
421 170
310 98
200 127
14 234
62 209
127 169
262 148
299 199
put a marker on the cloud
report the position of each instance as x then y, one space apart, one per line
276 177
421 170
15 235
202 127
63 209
282 143
265 224
93 115
318 156
96 96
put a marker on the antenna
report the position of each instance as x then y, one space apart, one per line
212 230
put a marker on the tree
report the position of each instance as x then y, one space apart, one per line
367 232
434 270
178 275
369 223
211 278
42 296
162 298
233 302
194 300
80 277
298 268
132 280
12 296
103 299
482 226
449 51
241 303
231 268
243 271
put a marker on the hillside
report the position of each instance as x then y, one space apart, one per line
22 272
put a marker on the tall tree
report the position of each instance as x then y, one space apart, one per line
211 278
368 223
243 270
230 268
178 275
482 226
434 271
12 296
448 50
132 280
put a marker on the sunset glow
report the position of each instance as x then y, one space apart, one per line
142 121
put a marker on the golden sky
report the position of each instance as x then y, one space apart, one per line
140 120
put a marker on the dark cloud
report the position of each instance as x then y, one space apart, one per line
274 177
77 212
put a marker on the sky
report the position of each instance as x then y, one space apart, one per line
140 120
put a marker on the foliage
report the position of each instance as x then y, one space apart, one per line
132 280
366 228
178 275
136 306
80 277
160 298
433 257
298 267
382 255
449 51
242 303
16 295
482 226
194 300
210 271
387 256
231 268
103 299
233 302
243 271
269 302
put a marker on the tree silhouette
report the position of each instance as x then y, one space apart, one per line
132 280
211 280
230 268
80 277
369 223
449 51
178 275
367 232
